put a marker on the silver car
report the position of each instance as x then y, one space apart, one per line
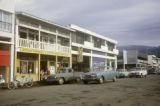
99 76
122 73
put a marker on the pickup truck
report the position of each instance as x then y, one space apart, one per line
63 76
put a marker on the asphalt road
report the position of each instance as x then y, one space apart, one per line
124 92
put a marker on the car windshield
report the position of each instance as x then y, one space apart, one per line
121 70
135 69
62 71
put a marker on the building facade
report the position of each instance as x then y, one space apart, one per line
132 58
153 62
7 39
95 51
41 46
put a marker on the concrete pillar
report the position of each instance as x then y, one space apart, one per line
91 62
106 64
12 62
110 64
115 64
70 61
39 67
56 63
70 45
16 40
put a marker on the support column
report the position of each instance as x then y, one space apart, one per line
110 64
115 64
11 62
105 65
39 67
70 46
56 49
39 55
16 43
70 61
91 62
56 63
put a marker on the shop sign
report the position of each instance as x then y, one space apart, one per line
80 54
28 50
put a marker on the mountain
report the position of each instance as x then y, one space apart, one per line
150 50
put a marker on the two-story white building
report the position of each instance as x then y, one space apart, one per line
7 38
41 46
91 50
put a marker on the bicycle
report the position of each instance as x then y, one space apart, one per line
21 82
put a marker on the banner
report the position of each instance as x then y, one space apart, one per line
80 55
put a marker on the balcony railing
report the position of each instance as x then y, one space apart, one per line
25 43
63 49
116 51
47 47
28 43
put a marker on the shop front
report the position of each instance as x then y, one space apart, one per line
5 64
83 66
38 65
27 65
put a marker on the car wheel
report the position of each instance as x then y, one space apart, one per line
61 81
101 80
78 80
11 85
30 83
85 82
141 75
114 79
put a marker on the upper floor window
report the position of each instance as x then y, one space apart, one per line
97 42
111 46
5 21
48 38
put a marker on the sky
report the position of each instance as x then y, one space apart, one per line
130 22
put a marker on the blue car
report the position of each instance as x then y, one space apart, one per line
99 76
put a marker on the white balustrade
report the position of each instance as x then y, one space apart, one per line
28 43
115 51
64 49
25 43
47 46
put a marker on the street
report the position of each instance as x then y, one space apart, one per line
124 92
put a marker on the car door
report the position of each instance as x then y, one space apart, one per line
70 74
107 75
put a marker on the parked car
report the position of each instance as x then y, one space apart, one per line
158 72
64 75
138 72
99 76
122 73
152 71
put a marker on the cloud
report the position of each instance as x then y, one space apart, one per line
128 21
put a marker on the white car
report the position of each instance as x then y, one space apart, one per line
138 72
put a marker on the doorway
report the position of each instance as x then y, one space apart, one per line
43 66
